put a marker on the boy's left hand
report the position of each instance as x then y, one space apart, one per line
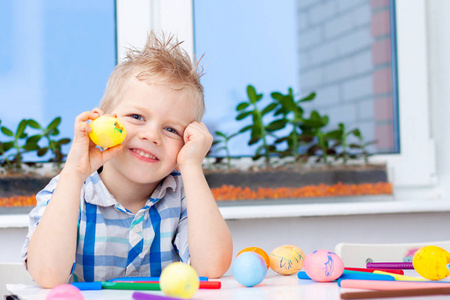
197 142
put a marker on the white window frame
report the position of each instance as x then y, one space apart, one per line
136 18
413 171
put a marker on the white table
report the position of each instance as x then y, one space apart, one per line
274 287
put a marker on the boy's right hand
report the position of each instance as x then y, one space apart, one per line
84 157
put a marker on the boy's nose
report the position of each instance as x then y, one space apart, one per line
150 134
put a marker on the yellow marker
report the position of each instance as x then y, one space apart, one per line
400 277
107 131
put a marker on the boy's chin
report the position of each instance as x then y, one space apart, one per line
146 179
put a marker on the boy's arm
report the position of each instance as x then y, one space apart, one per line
209 238
52 247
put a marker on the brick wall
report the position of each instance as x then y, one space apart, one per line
345 56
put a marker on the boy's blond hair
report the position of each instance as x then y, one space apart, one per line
161 60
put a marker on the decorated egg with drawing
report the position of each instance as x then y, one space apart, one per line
107 131
287 259
323 265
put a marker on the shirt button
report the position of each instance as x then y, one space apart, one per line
136 228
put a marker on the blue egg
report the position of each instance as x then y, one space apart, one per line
249 268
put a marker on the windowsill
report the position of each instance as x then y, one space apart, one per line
333 209
297 210
13 221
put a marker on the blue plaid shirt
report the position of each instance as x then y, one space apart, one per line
112 241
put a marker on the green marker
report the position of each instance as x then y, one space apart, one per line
131 286
98 285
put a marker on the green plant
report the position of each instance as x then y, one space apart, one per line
19 142
291 113
54 145
313 129
224 139
362 146
307 137
341 138
259 131
14 160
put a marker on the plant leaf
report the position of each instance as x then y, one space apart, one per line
8 145
53 124
276 125
34 124
220 134
335 134
251 93
246 128
254 140
243 115
30 146
277 95
310 97
34 139
269 108
55 132
21 129
242 106
64 141
42 151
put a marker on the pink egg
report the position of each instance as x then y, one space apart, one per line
323 265
65 292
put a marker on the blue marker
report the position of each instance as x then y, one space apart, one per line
354 275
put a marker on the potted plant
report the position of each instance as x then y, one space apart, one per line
19 179
307 161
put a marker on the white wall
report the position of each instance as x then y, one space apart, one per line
312 233
308 233
11 240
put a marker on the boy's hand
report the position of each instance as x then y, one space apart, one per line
197 142
84 157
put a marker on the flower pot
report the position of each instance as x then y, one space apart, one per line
329 181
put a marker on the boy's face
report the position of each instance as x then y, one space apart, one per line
155 117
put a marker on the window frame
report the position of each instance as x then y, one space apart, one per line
412 171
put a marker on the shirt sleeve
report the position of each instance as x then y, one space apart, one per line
42 199
181 237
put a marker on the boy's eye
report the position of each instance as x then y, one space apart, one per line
136 116
171 130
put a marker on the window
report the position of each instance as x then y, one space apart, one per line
55 59
341 50
413 124
42 83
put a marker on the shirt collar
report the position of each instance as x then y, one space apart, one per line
97 193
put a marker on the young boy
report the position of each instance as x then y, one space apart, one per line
124 211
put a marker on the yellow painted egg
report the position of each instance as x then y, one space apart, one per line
287 259
431 262
107 131
179 280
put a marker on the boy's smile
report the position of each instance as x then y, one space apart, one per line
155 116
145 156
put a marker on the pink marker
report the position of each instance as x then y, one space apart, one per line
390 285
